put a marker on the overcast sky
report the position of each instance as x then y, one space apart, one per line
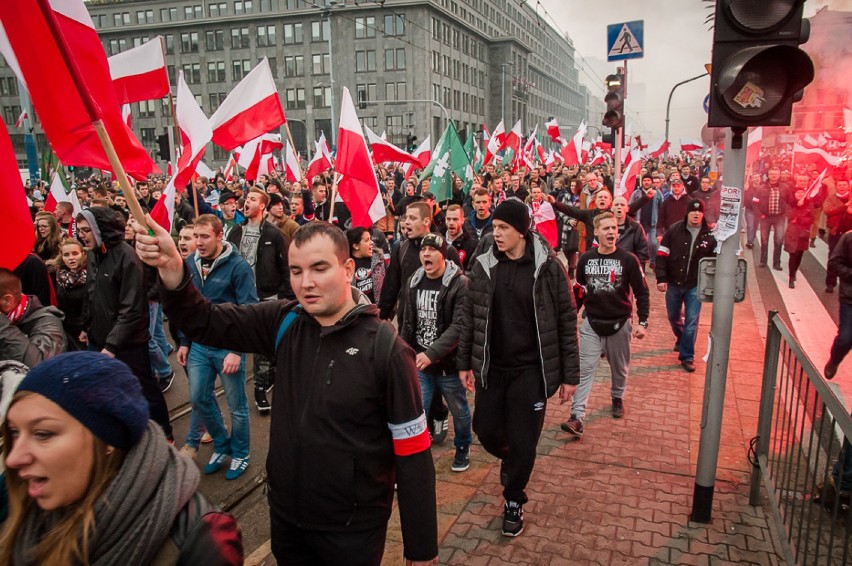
677 44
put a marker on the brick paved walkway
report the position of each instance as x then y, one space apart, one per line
622 494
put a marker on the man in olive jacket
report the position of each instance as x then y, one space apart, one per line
518 344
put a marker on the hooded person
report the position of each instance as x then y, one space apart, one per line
108 489
117 318
683 245
29 331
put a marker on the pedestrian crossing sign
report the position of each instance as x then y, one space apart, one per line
625 40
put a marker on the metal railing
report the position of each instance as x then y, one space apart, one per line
801 455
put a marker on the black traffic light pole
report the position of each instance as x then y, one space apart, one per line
671 93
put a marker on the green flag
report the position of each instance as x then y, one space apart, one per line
448 157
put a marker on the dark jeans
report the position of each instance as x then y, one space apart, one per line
830 276
508 418
684 310
794 262
843 340
264 372
294 546
136 358
778 225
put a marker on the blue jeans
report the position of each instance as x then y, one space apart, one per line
684 324
454 392
778 225
158 348
653 244
843 340
203 365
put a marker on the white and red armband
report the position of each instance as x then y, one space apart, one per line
411 437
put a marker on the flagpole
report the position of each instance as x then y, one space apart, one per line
333 195
175 143
94 116
293 145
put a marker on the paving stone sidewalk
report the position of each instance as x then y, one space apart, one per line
622 494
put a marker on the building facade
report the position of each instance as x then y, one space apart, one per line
412 64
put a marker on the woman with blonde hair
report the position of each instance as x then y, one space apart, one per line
92 480
72 295
48 238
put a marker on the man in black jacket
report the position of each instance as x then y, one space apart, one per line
518 345
840 263
264 247
459 236
432 296
346 426
117 318
609 276
684 243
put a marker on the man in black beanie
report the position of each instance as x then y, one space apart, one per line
683 244
518 348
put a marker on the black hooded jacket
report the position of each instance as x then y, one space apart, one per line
678 254
117 314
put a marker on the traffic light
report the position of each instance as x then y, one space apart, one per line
411 142
758 71
163 152
614 116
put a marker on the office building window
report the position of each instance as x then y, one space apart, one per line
148 136
166 107
168 14
192 73
322 96
319 30
294 66
294 98
394 24
147 109
216 10
365 60
319 63
240 68
239 38
394 59
273 66
216 99
214 40
293 34
192 12
145 17
216 71
189 42
266 36
365 27
243 7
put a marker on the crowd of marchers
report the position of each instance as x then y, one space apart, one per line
482 303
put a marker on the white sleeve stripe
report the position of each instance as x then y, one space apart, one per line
664 250
410 429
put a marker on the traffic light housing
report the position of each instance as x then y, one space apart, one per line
411 143
614 99
163 147
758 71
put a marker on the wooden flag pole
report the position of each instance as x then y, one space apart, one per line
94 116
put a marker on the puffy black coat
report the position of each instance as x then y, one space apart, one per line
272 270
632 238
555 312
443 349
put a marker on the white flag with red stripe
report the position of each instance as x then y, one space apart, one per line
553 130
755 141
358 186
691 145
513 140
321 161
545 221
815 187
658 148
385 152
495 143
423 155
631 170
195 134
815 155
250 110
571 152
140 73
20 121
292 169
57 194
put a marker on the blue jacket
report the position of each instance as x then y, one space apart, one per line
230 280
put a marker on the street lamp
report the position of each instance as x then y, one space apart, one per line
669 103
503 90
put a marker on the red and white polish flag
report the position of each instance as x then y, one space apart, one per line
140 73
292 168
422 155
321 161
62 107
513 139
16 225
57 194
358 186
658 148
495 143
251 109
572 152
755 142
195 133
545 221
385 152
20 121
631 170
691 145
553 130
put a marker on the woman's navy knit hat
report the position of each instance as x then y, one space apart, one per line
100 392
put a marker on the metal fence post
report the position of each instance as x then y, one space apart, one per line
767 400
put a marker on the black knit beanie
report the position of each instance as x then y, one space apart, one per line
514 213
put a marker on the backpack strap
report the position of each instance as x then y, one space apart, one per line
285 324
383 349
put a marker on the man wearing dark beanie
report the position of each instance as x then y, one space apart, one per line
682 246
517 348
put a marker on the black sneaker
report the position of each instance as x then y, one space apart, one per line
574 426
617 408
462 460
165 383
261 401
513 519
676 346
439 430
